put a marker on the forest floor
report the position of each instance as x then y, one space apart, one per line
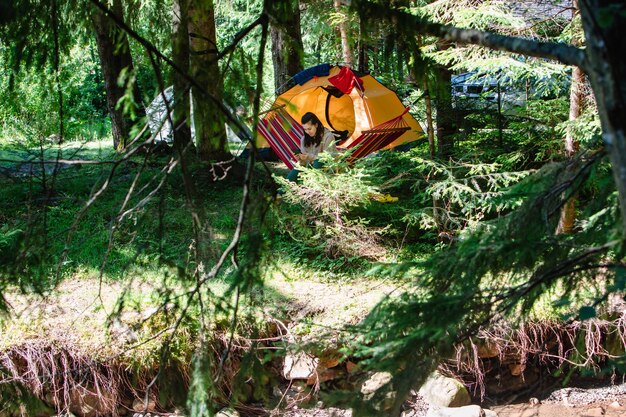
81 313
78 310
587 405
596 408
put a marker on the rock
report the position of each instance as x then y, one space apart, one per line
84 403
466 411
487 350
299 366
593 412
490 413
139 405
615 404
534 401
442 391
227 412
375 382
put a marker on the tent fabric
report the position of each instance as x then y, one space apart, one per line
356 112
345 81
303 76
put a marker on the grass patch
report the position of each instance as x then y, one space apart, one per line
140 264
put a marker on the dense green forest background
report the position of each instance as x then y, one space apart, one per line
509 211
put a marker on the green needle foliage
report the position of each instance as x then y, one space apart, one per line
499 270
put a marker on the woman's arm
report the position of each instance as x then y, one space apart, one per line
303 157
328 143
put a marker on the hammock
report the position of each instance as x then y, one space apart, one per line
283 134
377 138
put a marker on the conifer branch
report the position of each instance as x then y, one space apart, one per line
563 53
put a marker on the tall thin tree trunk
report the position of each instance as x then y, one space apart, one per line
375 55
568 212
429 119
286 36
114 53
446 122
208 118
363 61
57 69
387 53
318 51
181 116
346 51
499 117
400 62
575 109
446 126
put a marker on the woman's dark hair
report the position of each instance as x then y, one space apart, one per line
310 117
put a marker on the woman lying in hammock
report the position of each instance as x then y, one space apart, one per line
317 139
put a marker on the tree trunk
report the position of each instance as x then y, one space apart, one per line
114 53
346 52
287 48
575 108
606 50
568 212
446 124
181 118
363 61
429 119
208 118
376 58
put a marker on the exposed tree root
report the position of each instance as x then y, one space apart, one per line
519 355
63 378
71 381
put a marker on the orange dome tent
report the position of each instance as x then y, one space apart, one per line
344 102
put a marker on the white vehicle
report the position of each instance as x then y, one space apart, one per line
473 90
474 86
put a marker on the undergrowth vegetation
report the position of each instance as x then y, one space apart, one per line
139 274
470 240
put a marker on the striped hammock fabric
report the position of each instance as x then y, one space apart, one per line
283 134
377 138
